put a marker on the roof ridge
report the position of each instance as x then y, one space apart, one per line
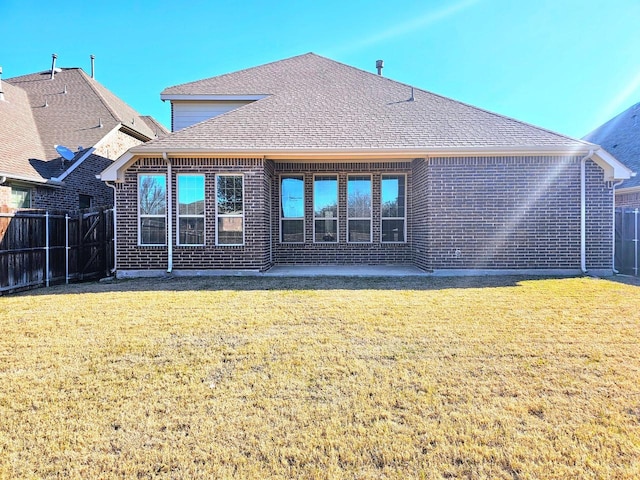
104 101
241 70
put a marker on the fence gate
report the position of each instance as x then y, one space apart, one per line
627 248
41 248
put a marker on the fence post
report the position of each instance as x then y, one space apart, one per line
66 248
46 248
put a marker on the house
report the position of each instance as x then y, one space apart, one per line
60 128
621 137
307 161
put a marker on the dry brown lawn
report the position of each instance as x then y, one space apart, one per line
500 378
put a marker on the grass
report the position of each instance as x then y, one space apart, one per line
503 378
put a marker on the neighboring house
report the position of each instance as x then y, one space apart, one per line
63 108
621 137
307 161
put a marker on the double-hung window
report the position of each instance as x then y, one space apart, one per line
359 210
20 197
152 209
393 208
292 209
190 209
229 209
325 208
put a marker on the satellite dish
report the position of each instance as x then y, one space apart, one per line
64 152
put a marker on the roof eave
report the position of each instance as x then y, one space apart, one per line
115 172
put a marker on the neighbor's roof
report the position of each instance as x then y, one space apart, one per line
621 137
316 103
66 110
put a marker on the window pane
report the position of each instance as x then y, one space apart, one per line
292 189
326 230
393 196
20 197
152 231
359 197
359 230
229 192
84 201
325 197
152 195
293 231
191 194
191 231
230 230
393 230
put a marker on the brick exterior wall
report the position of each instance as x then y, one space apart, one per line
5 197
462 213
254 254
342 252
631 200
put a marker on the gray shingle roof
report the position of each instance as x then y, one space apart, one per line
620 136
39 114
316 103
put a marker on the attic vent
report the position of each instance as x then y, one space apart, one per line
1 92
53 65
379 66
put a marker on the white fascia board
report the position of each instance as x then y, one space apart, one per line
53 182
115 171
75 165
614 169
212 98
628 190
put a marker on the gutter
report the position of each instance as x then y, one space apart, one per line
169 215
583 211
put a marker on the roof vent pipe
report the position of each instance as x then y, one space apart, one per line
1 91
379 66
53 65
93 66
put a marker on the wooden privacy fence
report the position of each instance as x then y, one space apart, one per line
627 246
42 248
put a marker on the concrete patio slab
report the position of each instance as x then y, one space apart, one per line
345 271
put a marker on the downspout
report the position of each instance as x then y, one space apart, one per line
169 215
583 211
613 247
115 230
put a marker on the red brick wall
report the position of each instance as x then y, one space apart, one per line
631 200
252 255
309 253
466 213
492 213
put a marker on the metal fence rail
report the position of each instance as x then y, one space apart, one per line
41 248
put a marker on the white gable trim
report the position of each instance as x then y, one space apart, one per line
213 98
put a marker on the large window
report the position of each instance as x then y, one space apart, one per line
325 208
190 209
393 208
229 210
359 208
20 197
152 209
292 209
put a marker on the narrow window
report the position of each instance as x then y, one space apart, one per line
393 209
190 209
325 208
359 208
229 210
84 201
152 209
292 209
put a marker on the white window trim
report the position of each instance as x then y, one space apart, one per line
370 217
203 216
140 244
23 188
304 233
405 206
226 215
313 201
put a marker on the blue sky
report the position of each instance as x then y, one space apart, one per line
564 65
